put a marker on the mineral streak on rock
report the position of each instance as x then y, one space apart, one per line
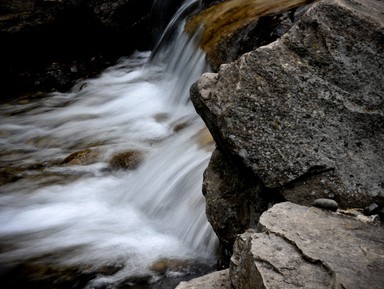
221 21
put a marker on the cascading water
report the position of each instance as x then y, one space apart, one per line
88 213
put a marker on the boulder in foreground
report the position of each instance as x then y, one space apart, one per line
307 247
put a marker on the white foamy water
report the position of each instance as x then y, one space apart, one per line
93 214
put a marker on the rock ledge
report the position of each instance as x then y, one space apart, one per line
306 247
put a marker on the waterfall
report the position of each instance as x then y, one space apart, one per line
90 213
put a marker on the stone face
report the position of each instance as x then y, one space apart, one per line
233 202
215 280
269 261
305 114
301 247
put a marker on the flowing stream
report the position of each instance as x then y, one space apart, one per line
91 213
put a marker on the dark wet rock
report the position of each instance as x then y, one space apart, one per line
302 247
170 272
36 274
381 214
371 209
233 27
326 204
305 114
49 45
9 175
164 266
127 160
161 13
45 272
233 201
180 125
161 117
208 3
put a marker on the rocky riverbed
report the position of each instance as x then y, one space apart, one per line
295 187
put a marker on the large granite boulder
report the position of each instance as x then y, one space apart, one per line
302 247
305 114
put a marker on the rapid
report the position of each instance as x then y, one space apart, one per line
88 213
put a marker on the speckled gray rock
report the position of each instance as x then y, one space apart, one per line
305 114
327 204
302 247
215 280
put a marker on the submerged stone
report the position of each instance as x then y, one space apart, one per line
83 157
9 175
127 160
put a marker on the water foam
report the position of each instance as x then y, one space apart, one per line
92 214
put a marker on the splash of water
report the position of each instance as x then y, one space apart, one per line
93 214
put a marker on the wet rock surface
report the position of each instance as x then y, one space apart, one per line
298 247
305 113
233 27
83 157
126 160
46 272
49 45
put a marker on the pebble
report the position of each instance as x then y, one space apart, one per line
327 204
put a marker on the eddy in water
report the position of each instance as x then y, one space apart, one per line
108 176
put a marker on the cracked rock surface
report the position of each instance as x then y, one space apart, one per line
305 114
306 247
